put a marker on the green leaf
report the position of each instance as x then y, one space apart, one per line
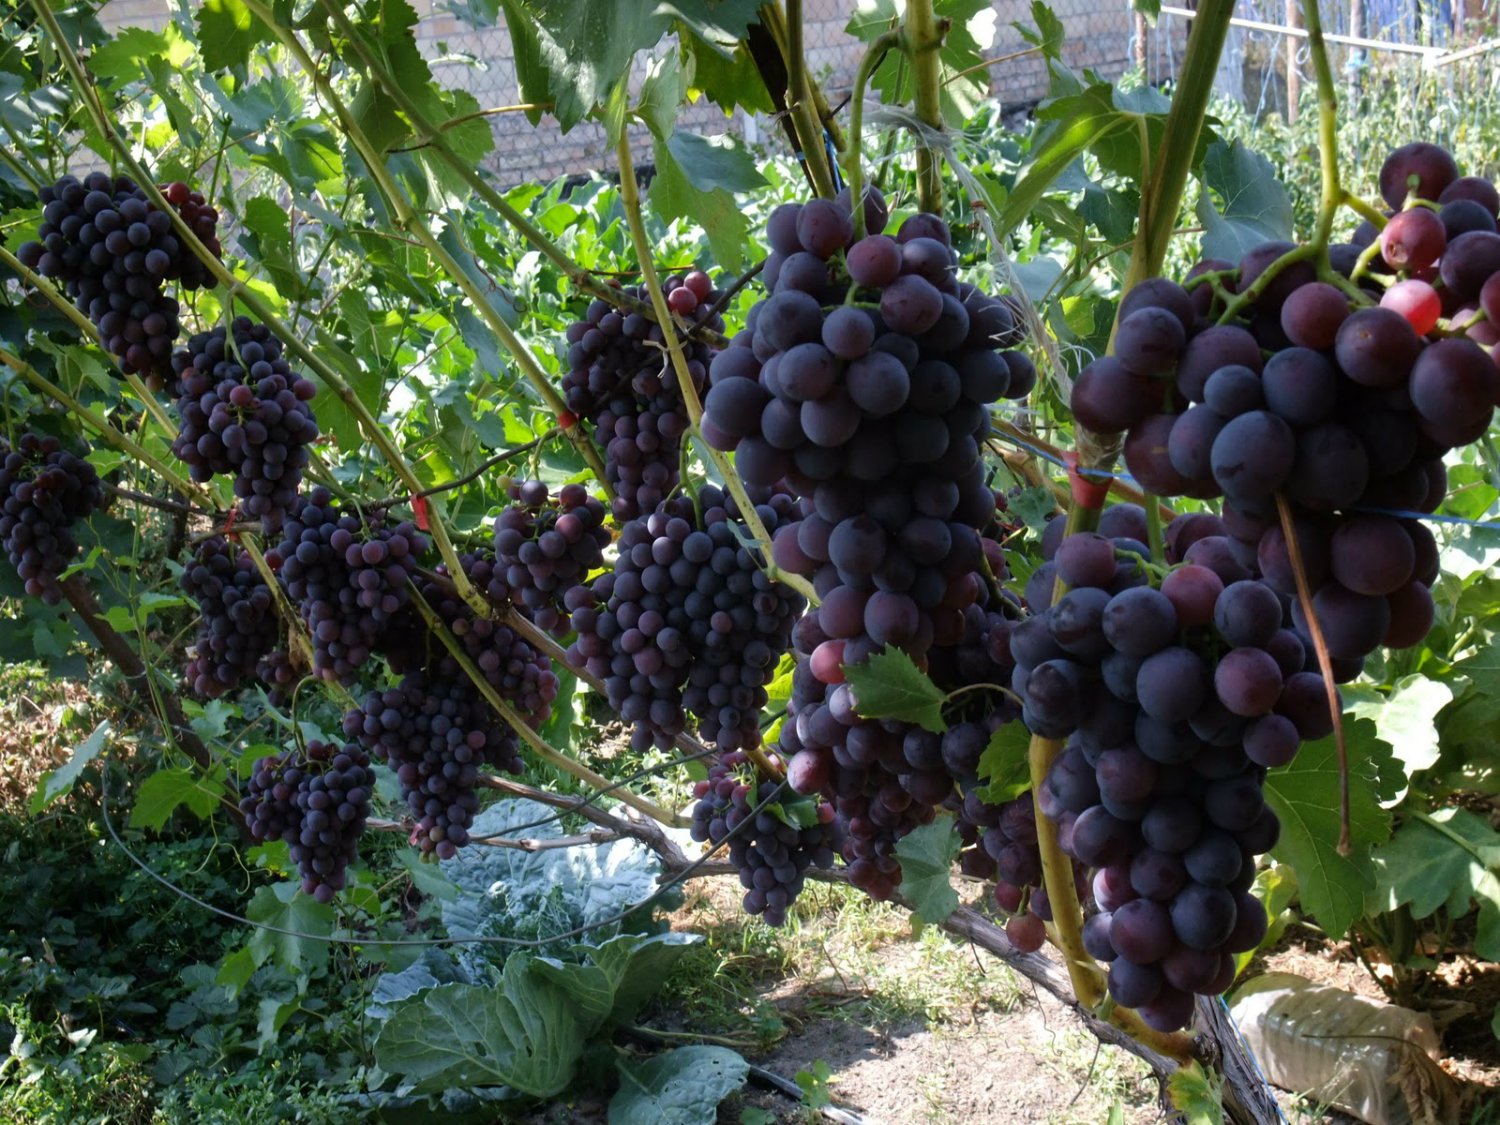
299 922
927 854
1194 1093
124 58
226 34
723 23
1034 506
161 794
273 1016
521 1033
59 781
1448 858
1063 145
637 965
1049 33
1405 719
714 163
662 94
1305 796
1255 206
1151 9
682 1087
890 686
1004 764
586 48
237 969
674 197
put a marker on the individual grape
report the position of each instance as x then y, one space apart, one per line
1086 559
1108 398
1411 610
1253 455
1377 347
1233 390
1353 624
1474 188
1190 444
1468 262
1172 684
1291 277
1133 985
1272 740
1312 314
1159 293
1300 386
1417 301
1372 554
1247 614
1141 931
1148 457
45 491
316 799
1140 621
1331 470
1203 917
1460 216
1248 681
1420 169
1454 383
911 305
1194 593
1150 341
1413 240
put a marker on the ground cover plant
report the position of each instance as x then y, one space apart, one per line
935 514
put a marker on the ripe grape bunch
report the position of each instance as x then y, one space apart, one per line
46 490
1366 389
785 834
1173 700
316 799
245 412
689 622
238 625
348 579
621 379
114 252
545 550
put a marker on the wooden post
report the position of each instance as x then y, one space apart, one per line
1140 43
1293 76
1357 31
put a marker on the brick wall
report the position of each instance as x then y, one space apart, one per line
481 61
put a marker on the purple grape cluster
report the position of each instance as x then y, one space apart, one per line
279 674
864 382
621 379
435 733
1174 698
316 799
46 490
546 549
245 412
781 841
688 622
237 628
114 252
348 579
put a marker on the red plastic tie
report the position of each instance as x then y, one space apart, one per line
419 508
229 531
1087 493
567 419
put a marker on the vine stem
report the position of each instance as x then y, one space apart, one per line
236 289
407 219
630 198
524 729
854 169
1328 131
1325 661
432 134
113 436
923 38
786 30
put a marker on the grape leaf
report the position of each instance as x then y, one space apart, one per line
714 163
1004 764
1447 858
1305 796
890 686
162 792
1194 1093
927 856
682 1087
1404 719
299 920
227 32
1256 206
675 196
59 781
